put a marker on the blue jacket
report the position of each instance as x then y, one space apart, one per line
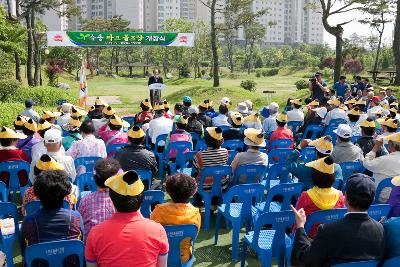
392 237
299 169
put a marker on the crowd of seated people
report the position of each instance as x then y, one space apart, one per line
109 221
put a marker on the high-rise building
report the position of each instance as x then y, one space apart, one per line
131 10
156 12
289 22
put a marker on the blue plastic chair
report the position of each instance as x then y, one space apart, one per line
329 131
378 211
148 139
84 181
33 206
145 175
294 126
236 145
195 137
308 154
324 216
372 263
336 122
201 145
281 143
313 131
338 184
231 156
160 142
113 148
176 233
12 168
269 243
224 128
286 191
252 173
180 159
3 192
277 164
217 172
355 138
130 120
82 194
55 252
382 185
7 241
349 168
87 162
239 212
151 197
393 262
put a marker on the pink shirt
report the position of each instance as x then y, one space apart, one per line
126 239
89 146
107 135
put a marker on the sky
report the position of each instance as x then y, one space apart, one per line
355 26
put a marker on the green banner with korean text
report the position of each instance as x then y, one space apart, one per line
81 38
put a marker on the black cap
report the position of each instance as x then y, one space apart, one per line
29 103
360 184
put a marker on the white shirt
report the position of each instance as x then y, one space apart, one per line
220 120
60 157
253 124
64 119
384 166
269 124
295 115
39 149
159 126
372 110
335 113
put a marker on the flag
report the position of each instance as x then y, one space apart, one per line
83 90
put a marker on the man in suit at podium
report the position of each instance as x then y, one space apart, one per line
155 78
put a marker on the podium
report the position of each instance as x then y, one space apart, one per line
155 92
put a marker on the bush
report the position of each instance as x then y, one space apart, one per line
43 96
248 85
258 74
270 72
9 112
8 88
301 84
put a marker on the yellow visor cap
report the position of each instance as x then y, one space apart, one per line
11 134
46 163
136 132
215 132
126 184
324 165
323 145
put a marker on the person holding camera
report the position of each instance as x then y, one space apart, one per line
318 88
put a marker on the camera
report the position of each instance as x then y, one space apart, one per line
313 80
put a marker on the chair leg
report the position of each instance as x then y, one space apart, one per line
235 240
7 246
207 207
217 223
244 250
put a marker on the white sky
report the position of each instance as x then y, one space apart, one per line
355 26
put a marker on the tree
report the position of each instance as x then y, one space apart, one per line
396 44
327 62
254 33
353 66
240 14
329 9
380 11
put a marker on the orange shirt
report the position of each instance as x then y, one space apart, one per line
175 214
126 239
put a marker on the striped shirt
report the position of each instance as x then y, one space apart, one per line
208 158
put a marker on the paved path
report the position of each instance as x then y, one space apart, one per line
108 99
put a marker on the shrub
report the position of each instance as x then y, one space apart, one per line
301 84
43 96
9 112
8 88
54 68
270 72
258 74
327 62
248 85
353 66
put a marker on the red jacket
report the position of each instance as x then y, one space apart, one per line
14 155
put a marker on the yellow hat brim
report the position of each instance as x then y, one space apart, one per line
50 165
321 166
118 185
136 134
396 181
213 134
11 134
393 137
368 124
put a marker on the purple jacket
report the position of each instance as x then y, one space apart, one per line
394 201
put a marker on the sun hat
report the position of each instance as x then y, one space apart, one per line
215 132
237 118
100 102
254 137
343 131
108 111
10 134
282 117
117 121
31 125
44 125
46 163
136 132
323 145
321 112
324 165
242 108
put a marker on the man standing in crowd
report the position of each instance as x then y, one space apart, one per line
341 86
155 78
356 237
29 112
318 88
